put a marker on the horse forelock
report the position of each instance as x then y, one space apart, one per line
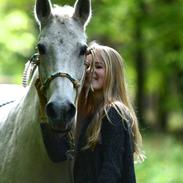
63 11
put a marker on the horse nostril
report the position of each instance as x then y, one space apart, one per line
71 110
51 110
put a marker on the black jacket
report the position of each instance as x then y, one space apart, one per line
112 159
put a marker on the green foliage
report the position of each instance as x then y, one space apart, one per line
164 160
16 40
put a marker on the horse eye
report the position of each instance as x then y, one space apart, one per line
83 50
41 49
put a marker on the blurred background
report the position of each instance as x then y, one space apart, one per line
149 36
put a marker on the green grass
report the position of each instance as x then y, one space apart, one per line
164 163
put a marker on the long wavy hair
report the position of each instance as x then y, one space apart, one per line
114 94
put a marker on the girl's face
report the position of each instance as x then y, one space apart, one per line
98 78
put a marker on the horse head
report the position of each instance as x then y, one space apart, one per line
61 46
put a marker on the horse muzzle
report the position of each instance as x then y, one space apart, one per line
60 114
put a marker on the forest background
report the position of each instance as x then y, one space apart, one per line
149 36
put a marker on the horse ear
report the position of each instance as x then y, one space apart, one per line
42 11
82 11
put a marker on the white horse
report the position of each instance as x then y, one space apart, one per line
61 47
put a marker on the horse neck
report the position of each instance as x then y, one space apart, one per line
30 105
23 123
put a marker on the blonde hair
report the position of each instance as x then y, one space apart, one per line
114 94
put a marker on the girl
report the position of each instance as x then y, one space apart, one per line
107 134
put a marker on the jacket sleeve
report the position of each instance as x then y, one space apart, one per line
113 136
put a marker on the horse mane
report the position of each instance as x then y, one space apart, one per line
28 73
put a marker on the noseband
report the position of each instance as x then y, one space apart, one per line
75 82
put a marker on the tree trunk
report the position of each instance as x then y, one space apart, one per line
140 67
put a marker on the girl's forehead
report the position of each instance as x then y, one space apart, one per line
97 56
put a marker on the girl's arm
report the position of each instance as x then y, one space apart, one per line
116 153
